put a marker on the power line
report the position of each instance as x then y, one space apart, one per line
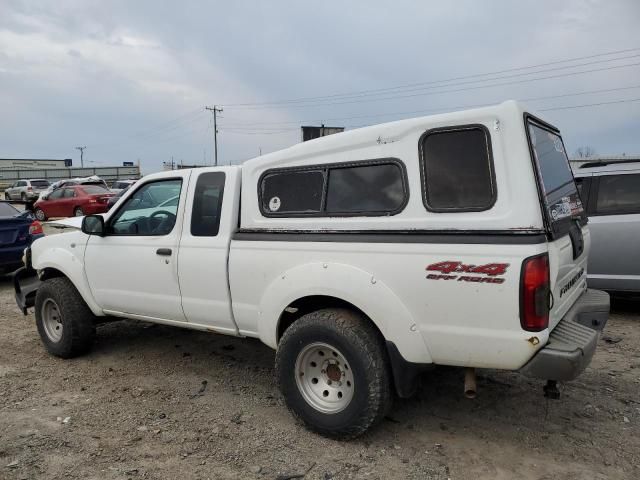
569 107
445 109
477 87
433 82
164 127
256 126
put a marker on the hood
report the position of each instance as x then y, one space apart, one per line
62 225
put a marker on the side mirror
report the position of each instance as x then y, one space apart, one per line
93 225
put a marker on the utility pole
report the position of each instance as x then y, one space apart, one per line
215 111
81 155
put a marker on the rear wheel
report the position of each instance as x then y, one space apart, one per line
23 197
65 323
333 371
40 215
77 212
7 196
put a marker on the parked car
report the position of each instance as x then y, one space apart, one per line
26 190
363 258
74 201
113 200
119 185
18 229
69 182
611 194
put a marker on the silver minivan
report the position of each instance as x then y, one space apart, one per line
610 193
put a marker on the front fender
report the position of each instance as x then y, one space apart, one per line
350 284
59 252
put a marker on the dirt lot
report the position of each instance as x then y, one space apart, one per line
131 409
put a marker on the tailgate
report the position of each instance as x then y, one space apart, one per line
568 274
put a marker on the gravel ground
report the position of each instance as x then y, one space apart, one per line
161 403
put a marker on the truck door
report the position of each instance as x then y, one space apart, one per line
133 269
211 215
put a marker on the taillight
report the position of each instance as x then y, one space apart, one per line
29 189
534 293
35 228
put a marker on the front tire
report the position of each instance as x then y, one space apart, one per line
334 373
65 323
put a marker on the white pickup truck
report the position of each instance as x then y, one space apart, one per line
362 258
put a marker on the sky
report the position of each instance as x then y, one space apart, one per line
130 79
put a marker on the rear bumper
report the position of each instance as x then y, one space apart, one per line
11 256
573 342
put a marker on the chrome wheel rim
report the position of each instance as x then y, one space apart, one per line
52 320
324 378
39 214
78 212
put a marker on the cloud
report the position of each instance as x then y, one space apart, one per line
130 79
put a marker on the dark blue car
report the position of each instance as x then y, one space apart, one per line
17 231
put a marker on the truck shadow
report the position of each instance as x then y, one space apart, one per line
506 402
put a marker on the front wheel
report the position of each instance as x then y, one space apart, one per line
40 215
333 371
65 323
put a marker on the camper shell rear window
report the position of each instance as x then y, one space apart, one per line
557 187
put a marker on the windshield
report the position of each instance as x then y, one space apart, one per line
558 186
7 210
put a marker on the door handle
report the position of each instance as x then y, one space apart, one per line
163 251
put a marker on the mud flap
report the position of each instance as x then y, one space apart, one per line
26 284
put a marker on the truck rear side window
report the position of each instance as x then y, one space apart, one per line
366 188
369 188
293 192
457 169
207 204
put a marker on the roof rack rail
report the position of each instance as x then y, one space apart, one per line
602 163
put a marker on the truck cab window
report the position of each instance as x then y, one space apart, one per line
207 204
151 210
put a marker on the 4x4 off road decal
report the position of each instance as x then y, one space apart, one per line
488 273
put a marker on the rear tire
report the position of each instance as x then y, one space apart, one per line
7 196
40 215
65 323
23 197
77 212
334 373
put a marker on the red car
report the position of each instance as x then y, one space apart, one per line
76 200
